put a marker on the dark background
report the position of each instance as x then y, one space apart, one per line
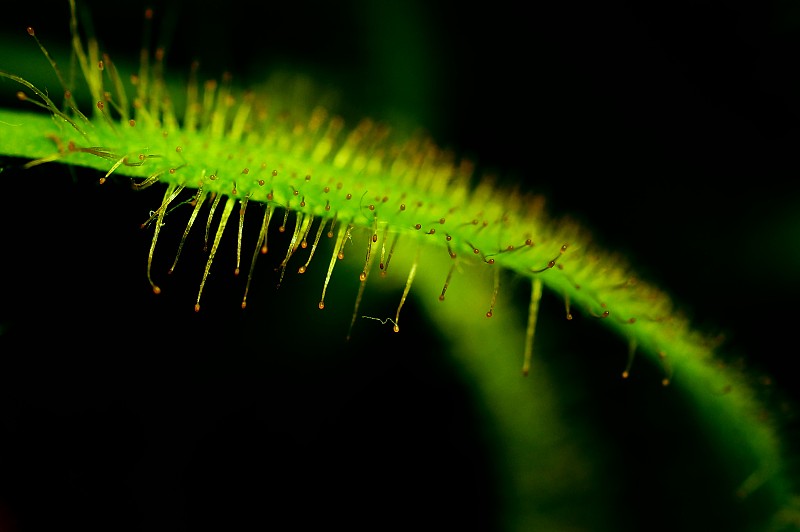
669 128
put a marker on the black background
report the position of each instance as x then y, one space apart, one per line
670 129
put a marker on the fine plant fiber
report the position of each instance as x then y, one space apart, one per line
445 250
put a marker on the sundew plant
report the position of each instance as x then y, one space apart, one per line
381 265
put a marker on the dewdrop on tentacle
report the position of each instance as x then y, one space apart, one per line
336 256
411 274
260 248
631 354
226 212
495 290
363 284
